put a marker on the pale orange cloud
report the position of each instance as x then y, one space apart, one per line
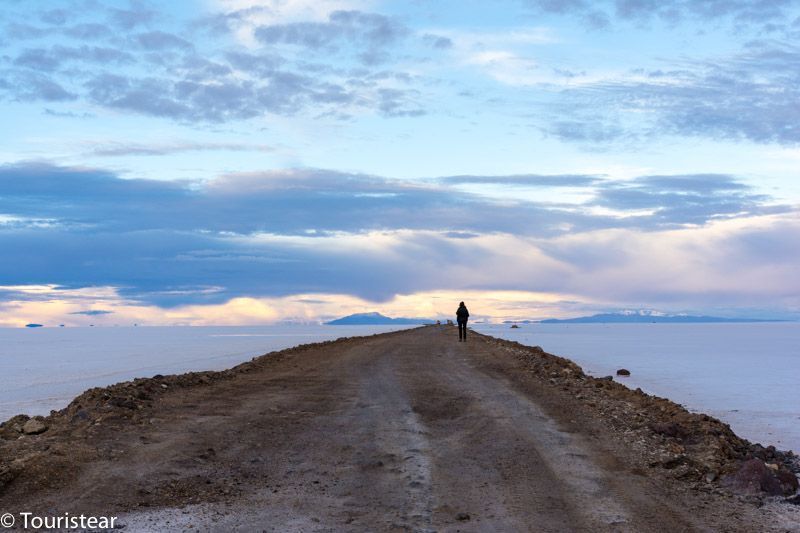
59 308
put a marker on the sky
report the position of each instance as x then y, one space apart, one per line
251 162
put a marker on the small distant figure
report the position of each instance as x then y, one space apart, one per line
462 315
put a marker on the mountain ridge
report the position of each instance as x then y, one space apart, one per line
629 317
375 318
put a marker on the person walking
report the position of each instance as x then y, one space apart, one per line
462 315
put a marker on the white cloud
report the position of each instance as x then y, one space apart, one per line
729 262
277 11
254 13
508 67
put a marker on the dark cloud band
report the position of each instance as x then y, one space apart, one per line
255 233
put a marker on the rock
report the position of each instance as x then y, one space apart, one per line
514 326
711 476
675 448
765 454
462 517
683 472
771 452
673 461
80 416
670 429
753 477
11 428
142 395
608 378
788 481
795 500
34 426
164 386
125 403
623 372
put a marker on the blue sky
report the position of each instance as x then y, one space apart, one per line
238 161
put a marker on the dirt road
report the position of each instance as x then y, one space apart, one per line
409 431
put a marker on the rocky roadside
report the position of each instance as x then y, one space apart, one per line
665 439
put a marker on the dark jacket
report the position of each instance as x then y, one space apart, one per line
462 314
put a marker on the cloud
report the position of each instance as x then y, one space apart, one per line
137 15
342 27
329 202
21 31
698 268
694 199
241 17
66 114
57 17
756 13
87 31
732 98
508 67
527 180
159 40
694 183
498 305
592 131
141 68
33 86
93 312
37 59
438 42
195 100
314 232
399 103
261 64
715 264
360 35
51 59
168 148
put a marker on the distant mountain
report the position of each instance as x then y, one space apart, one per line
361 319
647 317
